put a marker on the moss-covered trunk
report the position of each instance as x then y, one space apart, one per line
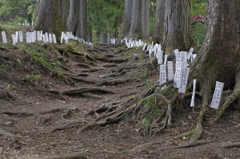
218 59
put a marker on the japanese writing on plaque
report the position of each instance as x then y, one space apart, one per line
184 80
159 55
177 77
217 95
170 70
162 77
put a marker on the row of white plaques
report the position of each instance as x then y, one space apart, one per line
181 70
34 36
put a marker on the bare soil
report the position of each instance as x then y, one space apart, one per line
30 111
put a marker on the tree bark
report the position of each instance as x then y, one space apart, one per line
77 19
72 17
136 24
103 38
145 18
64 13
218 58
126 24
176 31
160 15
83 19
49 17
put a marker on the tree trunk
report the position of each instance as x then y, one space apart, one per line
103 38
72 20
77 19
160 15
83 19
218 58
49 17
64 13
145 18
126 24
136 24
176 32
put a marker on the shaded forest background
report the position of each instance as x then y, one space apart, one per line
104 18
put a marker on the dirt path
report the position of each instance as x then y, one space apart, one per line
27 121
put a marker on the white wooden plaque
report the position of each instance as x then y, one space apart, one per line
217 95
183 59
14 39
165 59
163 76
159 56
50 38
61 40
184 80
177 77
192 104
144 47
54 39
170 70
46 37
4 37
20 36
189 56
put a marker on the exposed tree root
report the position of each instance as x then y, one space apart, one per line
90 95
17 113
7 134
55 110
226 104
81 155
232 145
187 134
144 146
79 91
69 126
199 128
79 79
111 60
196 143
112 74
43 119
113 82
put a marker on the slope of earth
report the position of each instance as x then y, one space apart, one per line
48 92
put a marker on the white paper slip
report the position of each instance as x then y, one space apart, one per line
54 39
189 56
184 80
192 104
4 37
165 59
162 76
20 36
217 95
183 59
144 47
14 39
170 70
177 77
50 38
159 55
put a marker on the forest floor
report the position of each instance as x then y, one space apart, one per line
33 105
